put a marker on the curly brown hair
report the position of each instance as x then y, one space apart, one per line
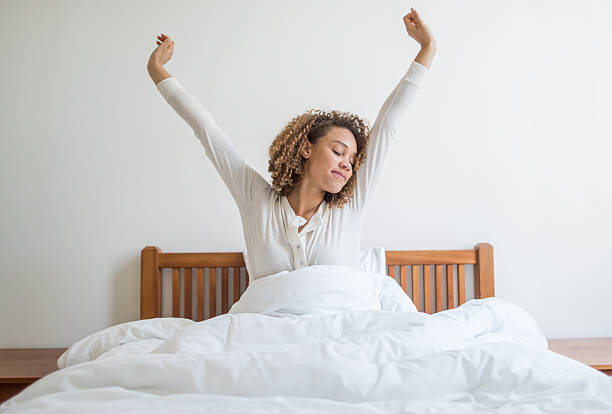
286 163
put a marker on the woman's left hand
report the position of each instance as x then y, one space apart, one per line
417 29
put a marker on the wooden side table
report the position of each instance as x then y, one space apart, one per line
595 352
20 367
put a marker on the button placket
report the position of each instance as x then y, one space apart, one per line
298 251
299 258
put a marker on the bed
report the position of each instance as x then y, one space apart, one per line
319 339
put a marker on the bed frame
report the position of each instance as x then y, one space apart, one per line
153 261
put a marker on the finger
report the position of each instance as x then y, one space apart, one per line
410 22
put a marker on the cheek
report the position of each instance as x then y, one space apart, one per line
321 163
315 166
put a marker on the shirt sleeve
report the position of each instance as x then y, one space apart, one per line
242 180
384 132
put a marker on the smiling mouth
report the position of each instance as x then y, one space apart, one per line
339 175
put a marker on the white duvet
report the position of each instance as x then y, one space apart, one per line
322 339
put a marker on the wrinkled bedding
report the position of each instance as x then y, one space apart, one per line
299 349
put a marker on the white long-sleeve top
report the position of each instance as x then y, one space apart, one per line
272 241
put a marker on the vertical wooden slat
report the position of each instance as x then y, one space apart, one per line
224 290
199 294
439 303
450 288
391 272
404 277
212 292
246 282
416 297
188 300
176 292
427 288
461 283
236 284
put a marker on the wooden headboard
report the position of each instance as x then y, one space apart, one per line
420 262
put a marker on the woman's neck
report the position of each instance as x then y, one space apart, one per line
304 201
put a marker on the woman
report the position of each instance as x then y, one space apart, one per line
313 211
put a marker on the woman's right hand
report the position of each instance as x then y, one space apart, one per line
162 54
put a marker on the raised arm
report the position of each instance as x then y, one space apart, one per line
394 110
244 183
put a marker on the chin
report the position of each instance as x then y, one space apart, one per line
335 187
335 190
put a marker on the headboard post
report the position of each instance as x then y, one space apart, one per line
483 271
150 283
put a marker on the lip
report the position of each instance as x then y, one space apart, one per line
339 174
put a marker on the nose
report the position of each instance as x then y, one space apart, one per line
345 165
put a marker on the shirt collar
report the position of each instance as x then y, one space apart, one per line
296 221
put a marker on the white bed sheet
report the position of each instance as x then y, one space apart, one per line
488 355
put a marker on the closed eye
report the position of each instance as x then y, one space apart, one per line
337 153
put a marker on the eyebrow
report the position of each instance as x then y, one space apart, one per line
354 154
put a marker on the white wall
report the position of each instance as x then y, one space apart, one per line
507 143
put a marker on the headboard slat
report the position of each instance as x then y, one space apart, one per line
188 300
427 288
461 283
212 292
199 294
391 272
176 293
403 278
236 283
224 289
450 288
416 296
439 304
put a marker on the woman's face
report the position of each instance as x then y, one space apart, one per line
330 161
